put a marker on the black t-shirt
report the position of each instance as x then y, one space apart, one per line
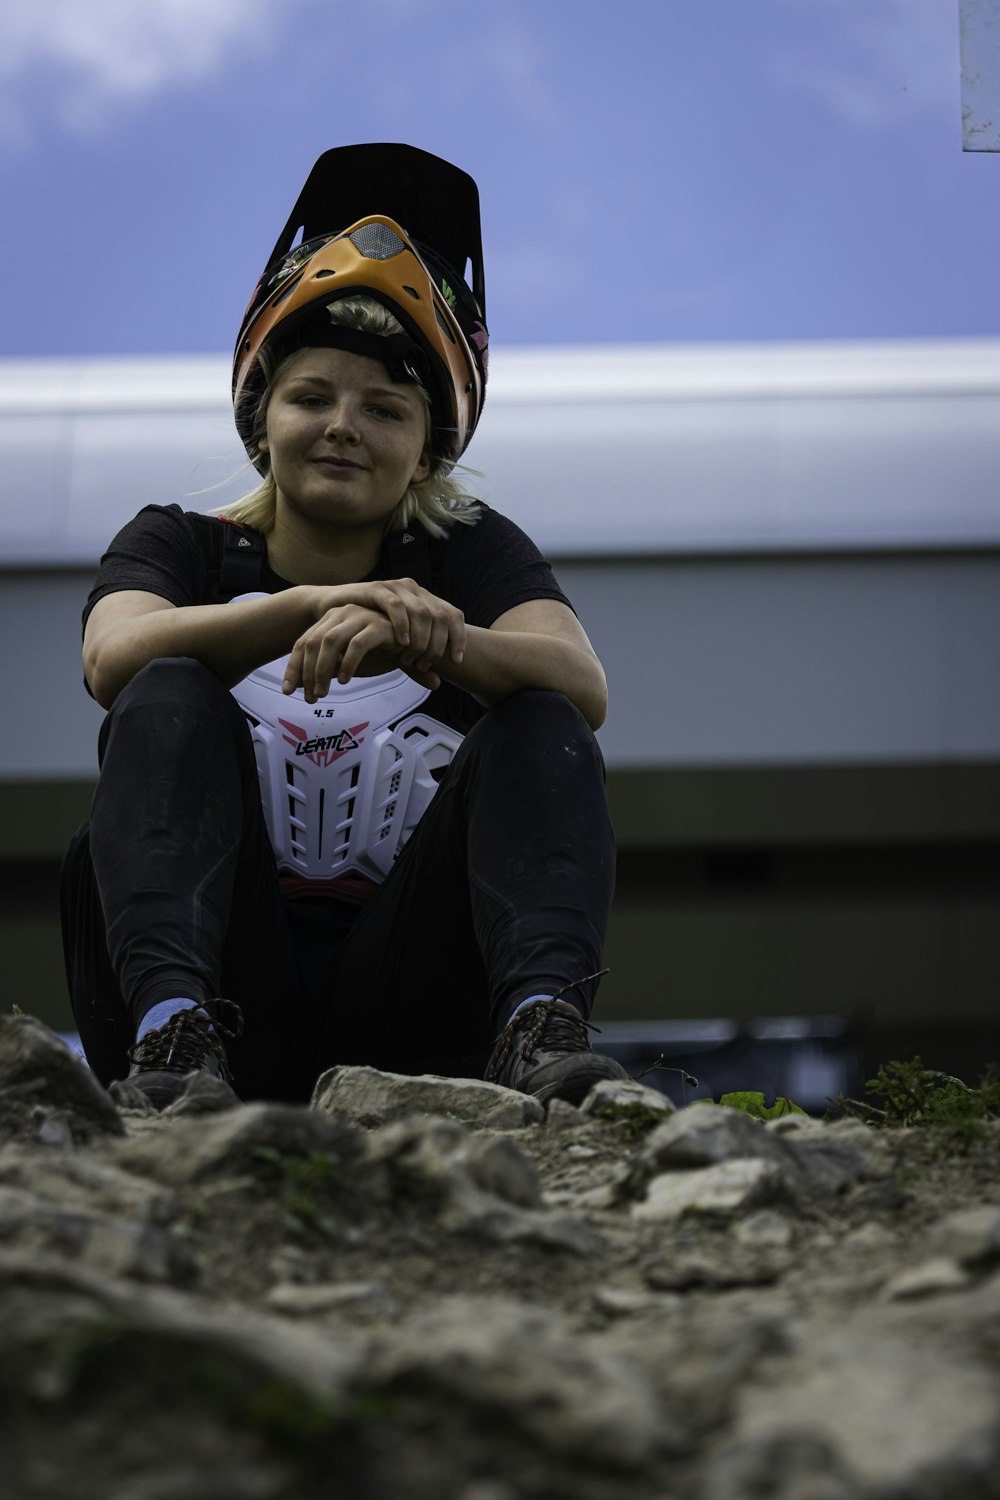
484 570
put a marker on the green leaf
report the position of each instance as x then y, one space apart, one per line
752 1103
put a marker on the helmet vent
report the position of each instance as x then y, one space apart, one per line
376 242
442 324
320 274
288 289
413 292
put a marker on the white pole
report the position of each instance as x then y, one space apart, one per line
980 31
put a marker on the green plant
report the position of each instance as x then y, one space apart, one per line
752 1103
188 1221
638 1119
303 1183
911 1095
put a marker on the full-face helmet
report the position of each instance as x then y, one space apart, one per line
418 272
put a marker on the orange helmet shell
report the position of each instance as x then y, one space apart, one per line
374 258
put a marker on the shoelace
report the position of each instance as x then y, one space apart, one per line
556 1023
546 1021
179 1045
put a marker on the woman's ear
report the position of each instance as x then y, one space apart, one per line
263 446
423 468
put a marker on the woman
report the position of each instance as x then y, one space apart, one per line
348 775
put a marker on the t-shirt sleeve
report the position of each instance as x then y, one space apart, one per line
493 566
157 553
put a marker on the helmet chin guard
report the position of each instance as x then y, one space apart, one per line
417 272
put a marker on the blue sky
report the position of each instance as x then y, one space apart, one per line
650 170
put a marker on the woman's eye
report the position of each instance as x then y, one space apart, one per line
386 411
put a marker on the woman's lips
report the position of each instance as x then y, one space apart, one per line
340 464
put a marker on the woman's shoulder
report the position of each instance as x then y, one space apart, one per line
195 522
490 567
163 524
173 526
491 528
182 555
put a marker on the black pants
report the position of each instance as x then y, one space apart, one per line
502 892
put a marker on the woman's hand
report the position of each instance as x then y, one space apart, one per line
386 625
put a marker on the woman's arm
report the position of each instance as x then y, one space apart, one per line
128 629
540 644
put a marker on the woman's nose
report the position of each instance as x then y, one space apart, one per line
342 422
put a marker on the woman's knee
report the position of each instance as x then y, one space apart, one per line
536 724
538 713
168 704
181 679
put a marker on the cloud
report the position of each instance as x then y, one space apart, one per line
79 63
871 62
96 54
499 60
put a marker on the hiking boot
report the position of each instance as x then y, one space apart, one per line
545 1050
189 1042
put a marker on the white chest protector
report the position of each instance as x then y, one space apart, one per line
344 781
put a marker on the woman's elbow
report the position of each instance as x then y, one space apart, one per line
104 682
595 710
595 705
101 690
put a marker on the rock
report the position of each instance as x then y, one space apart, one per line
488 1489
631 1103
118 1371
787 1466
54 1129
812 1160
929 1279
101 1242
307 1301
721 1191
837 1154
909 1418
394 1310
201 1094
706 1136
39 1078
971 1237
765 1230
621 1302
699 1359
869 1237
801 1127
370 1098
685 1271
73 1178
517 1369
240 1142
475 1186
440 1160
131 1100
561 1115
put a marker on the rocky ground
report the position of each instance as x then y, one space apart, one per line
432 1290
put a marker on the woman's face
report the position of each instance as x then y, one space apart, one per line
344 441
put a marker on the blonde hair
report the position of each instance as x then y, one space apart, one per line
437 502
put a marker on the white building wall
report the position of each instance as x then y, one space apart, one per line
785 554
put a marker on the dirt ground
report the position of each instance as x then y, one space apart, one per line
274 1302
